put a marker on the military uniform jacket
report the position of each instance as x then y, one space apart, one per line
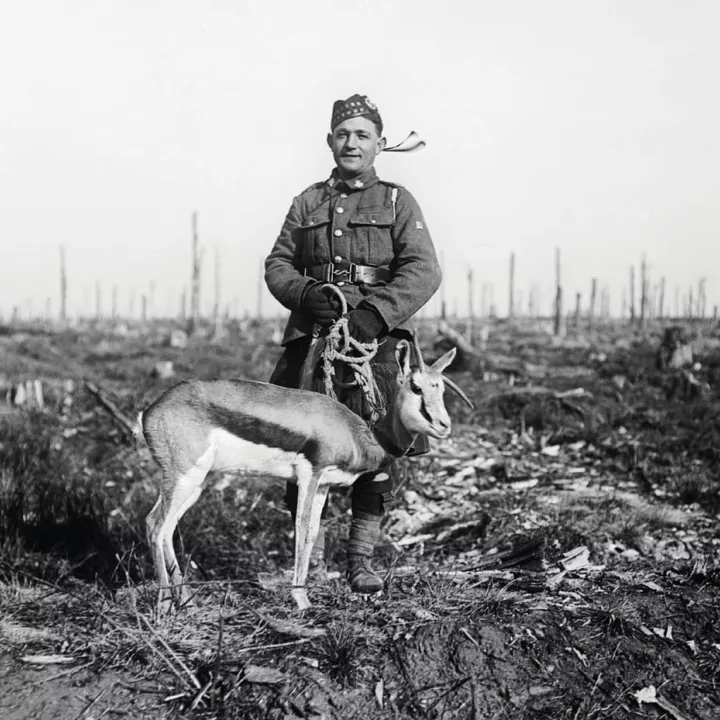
368 222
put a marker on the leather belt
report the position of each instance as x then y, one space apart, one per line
349 273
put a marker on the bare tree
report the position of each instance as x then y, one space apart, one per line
593 298
701 300
196 265
63 286
578 300
661 301
98 301
643 292
558 295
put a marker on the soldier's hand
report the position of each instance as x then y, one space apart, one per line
324 309
365 325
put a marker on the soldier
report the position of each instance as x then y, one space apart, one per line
369 238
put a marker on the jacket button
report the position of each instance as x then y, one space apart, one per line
339 210
372 220
338 233
337 258
344 195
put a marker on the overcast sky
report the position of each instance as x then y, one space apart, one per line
589 125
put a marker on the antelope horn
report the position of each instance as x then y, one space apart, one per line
457 390
418 352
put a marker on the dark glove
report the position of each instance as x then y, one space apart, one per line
365 324
323 308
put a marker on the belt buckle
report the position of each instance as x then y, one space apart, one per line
352 273
328 272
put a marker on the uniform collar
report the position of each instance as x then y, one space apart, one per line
359 183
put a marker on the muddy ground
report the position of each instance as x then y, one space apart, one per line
558 557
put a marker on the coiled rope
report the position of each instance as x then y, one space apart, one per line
341 346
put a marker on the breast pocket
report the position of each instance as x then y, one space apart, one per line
372 236
313 240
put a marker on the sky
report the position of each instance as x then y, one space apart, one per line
592 126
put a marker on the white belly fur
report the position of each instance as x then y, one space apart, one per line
235 454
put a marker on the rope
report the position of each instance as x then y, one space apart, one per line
341 346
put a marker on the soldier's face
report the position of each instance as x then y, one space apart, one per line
355 144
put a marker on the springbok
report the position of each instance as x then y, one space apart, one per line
261 429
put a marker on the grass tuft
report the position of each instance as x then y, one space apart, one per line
344 653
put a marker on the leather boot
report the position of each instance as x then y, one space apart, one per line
364 534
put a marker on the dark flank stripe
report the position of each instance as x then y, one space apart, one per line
262 432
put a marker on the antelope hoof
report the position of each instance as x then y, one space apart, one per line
300 597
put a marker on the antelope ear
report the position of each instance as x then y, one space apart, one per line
443 362
403 353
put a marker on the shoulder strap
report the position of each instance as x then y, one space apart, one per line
393 201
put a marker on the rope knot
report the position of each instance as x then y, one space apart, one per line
340 346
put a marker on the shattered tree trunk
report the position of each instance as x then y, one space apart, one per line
632 294
558 296
661 301
643 293
194 279
593 298
605 304
151 300
578 299
28 394
701 298
98 301
63 286
652 303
